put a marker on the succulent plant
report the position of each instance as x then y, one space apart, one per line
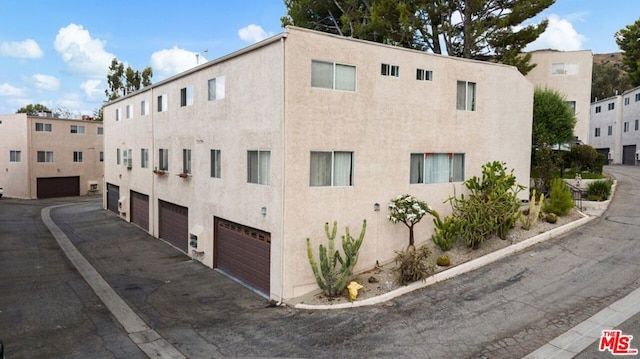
443 260
552 217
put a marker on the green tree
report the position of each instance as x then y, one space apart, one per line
553 119
608 80
408 210
98 113
627 40
477 29
33 109
123 81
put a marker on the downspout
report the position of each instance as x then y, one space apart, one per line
284 172
150 164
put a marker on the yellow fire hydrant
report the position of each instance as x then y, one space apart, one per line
354 287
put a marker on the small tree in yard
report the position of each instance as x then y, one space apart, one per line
408 210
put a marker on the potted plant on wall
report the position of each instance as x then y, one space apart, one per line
159 172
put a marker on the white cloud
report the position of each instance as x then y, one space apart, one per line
27 49
253 33
82 53
166 63
46 82
8 90
559 35
90 88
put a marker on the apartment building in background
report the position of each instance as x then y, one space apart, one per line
568 72
615 127
45 156
238 160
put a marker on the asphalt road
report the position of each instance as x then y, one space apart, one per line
505 310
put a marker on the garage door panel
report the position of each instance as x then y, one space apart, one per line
244 253
52 187
140 210
113 195
174 224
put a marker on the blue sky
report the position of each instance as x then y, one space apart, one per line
57 52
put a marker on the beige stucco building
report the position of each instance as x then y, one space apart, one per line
237 161
45 156
568 72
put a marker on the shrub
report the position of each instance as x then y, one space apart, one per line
413 265
599 190
491 207
446 232
334 272
408 210
560 200
443 260
551 218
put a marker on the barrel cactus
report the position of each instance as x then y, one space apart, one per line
443 260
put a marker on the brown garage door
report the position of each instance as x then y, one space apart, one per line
113 195
140 209
51 187
174 224
244 253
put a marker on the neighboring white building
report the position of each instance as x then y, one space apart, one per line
615 127
237 161
568 72
45 156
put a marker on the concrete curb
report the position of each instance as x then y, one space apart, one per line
457 270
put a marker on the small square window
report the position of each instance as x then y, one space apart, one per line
598 109
259 167
216 88
77 156
424 75
15 156
186 96
100 130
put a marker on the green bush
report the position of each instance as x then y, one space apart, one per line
599 190
413 265
443 260
491 206
560 200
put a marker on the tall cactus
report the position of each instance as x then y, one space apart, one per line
331 277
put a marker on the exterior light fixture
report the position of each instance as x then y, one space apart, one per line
263 210
376 207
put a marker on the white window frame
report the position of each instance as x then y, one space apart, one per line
129 111
390 70
597 132
331 168
564 69
15 156
144 108
611 106
422 168
77 156
163 159
44 156
216 165
144 158
163 103
43 127
609 130
117 114
186 160
626 100
637 97
320 74
259 167
424 75
127 158
186 96
216 88
117 156
466 95
598 109
626 126
77 129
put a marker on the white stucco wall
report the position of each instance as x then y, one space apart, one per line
14 137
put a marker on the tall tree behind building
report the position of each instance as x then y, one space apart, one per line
628 40
123 81
487 30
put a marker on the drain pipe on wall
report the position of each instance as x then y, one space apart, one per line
284 164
